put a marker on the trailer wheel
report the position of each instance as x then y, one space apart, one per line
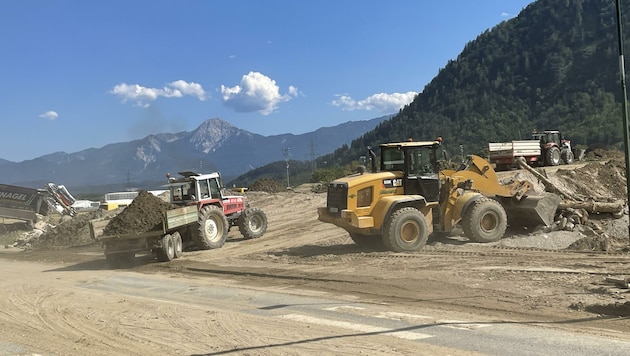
166 252
405 231
252 223
120 259
484 221
177 242
567 156
552 156
213 228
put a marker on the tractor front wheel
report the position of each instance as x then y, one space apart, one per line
252 223
567 156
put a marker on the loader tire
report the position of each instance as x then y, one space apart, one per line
213 228
166 252
252 223
405 231
567 157
178 244
552 156
484 221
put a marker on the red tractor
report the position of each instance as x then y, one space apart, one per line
554 148
217 212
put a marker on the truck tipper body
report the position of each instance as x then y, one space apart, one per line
503 154
22 203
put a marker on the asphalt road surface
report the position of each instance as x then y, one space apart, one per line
49 309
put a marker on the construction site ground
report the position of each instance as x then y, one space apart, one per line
573 280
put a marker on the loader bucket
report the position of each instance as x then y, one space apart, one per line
532 210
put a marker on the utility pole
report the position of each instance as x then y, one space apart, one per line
624 103
286 159
311 155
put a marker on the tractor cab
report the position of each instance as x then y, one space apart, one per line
193 188
418 163
203 189
550 138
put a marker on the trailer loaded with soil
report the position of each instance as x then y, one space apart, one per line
197 216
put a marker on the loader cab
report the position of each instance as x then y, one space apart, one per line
418 163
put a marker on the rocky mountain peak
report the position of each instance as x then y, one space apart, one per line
212 133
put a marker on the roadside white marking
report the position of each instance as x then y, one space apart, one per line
461 325
352 307
408 335
401 316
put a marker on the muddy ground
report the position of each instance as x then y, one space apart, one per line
562 278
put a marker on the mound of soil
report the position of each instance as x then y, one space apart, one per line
600 181
267 185
142 215
71 232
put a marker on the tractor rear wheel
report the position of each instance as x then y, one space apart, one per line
484 221
405 231
166 252
213 228
552 156
252 223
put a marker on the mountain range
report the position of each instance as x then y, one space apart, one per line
215 145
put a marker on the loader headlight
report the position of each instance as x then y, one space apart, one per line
364 197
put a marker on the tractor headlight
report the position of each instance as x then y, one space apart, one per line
364 197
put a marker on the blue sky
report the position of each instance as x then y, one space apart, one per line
84 74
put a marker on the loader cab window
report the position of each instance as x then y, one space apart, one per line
421 162
421 175
392 159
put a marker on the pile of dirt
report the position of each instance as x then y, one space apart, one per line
267 185
599 180
602 180
71 232
143 214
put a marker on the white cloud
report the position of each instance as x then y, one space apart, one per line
49 115
256 92
382 102
193 89
141 95
505 14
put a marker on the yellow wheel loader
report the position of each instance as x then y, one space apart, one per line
409 198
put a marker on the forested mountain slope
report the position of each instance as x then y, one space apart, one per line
554 66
